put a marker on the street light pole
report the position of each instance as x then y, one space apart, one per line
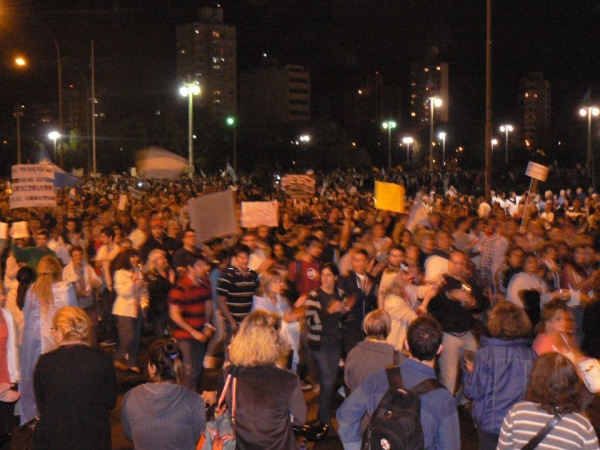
433 102
189 89
389 125
506 129
589 111
54 135
407 140
232 122
442 136
17 114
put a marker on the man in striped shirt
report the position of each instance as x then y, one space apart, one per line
190 311
236 287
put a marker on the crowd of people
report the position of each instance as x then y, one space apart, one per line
495 298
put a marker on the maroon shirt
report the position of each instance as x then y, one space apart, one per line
190 298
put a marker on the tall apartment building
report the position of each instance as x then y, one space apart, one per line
207 52
535 100
428 79
275 95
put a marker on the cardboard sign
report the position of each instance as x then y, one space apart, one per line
19 230
32 200
537 171
255 214
298 186
122 202
3 230
32 186
212 215
32 172
389 197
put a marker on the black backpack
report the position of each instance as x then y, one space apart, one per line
396 422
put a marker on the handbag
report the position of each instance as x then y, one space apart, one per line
220 431
533 443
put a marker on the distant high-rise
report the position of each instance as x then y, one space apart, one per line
275 95
207 52
535 100
428 78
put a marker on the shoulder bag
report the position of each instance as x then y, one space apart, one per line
220 433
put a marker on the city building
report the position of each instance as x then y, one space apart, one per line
535 101
374 101
207 53
275 95
428 79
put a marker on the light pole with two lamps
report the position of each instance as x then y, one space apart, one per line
589 111
389 125
233 123
434 102
189 89
507 128
407 140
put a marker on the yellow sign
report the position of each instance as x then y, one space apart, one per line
389 196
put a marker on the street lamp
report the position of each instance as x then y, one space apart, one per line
442 136
54 135
434 102
589 111
189 89
506 129
389 125
407 140
232 123
494 142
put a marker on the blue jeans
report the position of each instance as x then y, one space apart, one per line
327 360
129 329
193 362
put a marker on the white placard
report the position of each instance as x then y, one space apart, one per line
255 214
32 172
33 199
537 171
19 230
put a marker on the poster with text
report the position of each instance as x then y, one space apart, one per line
389 196
212 215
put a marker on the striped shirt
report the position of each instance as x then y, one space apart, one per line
525 419
191 300
238 289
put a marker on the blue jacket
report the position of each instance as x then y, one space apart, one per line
439 417
499 379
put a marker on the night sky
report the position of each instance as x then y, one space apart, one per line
340 42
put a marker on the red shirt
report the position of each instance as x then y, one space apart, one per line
305 275
191 299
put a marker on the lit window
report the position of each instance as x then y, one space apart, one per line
438 68
413 114
216 34
197 32
426 69
183 52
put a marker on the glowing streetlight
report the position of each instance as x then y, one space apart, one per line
442 136
407 140
507 128
494 142
589 111
189 89
20 61
389 125
232 123
434 102
54 135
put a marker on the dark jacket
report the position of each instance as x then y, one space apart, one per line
366 358
499 379
266 396
75 387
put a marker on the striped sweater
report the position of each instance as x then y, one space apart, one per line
322 326
525 419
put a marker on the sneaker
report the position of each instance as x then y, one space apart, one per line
306 386
107 343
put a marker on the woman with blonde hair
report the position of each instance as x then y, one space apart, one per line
48 294
269 298
263 414
75 387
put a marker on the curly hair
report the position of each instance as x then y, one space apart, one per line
49 271
555 386
508 322
73 324
258 341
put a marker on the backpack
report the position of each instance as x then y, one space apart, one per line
396 422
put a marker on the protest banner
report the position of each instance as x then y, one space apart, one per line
255 214
389 197
122 202
298 186
212 215
32 186
537 172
